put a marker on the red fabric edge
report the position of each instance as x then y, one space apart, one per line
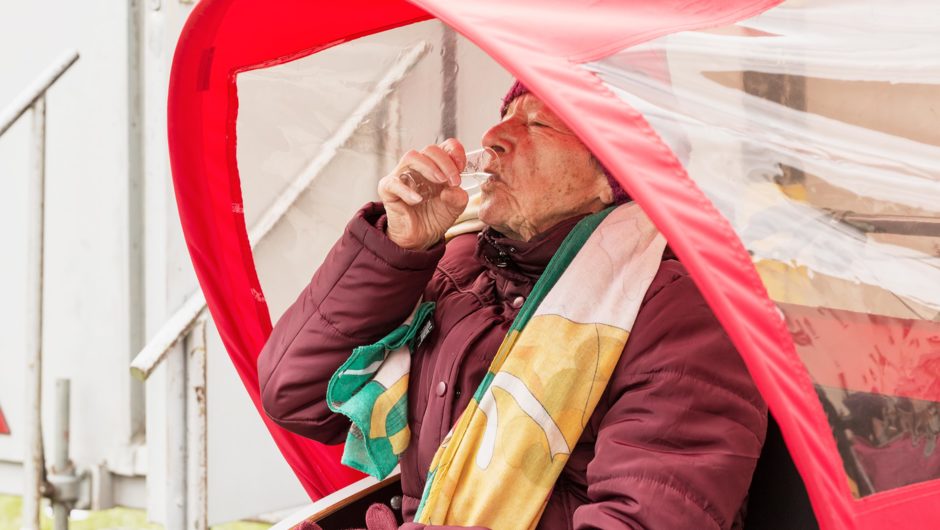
220 39
913 506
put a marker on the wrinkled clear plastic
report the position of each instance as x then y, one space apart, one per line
815 130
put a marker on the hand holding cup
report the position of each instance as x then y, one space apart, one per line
423 195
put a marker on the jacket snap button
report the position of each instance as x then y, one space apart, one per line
441 388
517 302
395 502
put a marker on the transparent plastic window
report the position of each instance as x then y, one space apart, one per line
813 129
315 135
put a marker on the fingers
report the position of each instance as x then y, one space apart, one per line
456 151
444 163
440 164
457 155
395 188
425 165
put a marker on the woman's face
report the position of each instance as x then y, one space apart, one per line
545 174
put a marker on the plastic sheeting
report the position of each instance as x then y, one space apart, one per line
828 169
784 208
306 167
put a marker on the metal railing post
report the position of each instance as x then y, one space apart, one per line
33 476
61 463
197 426
176 437
448 83
65 486
187 429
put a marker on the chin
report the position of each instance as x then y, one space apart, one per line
497 209
489 211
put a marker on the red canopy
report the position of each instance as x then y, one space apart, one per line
544 43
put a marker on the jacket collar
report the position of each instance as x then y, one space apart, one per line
522 260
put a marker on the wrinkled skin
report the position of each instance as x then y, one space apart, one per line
544 175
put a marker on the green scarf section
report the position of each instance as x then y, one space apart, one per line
377 405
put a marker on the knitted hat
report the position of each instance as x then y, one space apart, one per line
518 89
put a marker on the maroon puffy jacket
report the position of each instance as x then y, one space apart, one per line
672 443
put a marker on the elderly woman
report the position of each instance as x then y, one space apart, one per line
606 396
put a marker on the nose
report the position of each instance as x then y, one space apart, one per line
498 138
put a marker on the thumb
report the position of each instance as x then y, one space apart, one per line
381 517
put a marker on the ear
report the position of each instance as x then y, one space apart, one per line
606 194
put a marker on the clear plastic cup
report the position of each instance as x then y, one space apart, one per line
471 178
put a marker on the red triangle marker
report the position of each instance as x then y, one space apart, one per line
4 428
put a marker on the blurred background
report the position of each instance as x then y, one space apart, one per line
174 442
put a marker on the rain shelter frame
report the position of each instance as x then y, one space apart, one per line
545 44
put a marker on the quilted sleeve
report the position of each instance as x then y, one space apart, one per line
685 427
365 288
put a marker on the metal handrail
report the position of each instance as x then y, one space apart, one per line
34 97
184 319
36 90
175 328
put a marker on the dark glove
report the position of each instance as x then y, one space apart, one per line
307 525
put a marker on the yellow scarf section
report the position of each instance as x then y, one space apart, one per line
498 465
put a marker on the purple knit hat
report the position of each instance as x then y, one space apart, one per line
518 89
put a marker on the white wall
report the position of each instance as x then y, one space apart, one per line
85 334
